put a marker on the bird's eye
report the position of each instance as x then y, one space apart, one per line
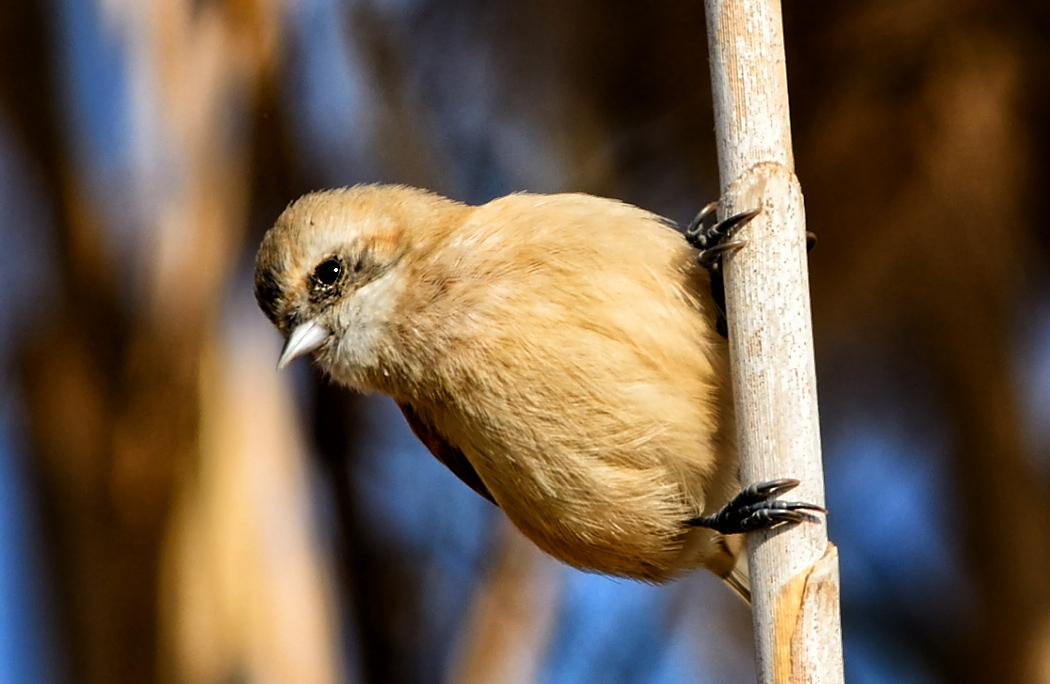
327 272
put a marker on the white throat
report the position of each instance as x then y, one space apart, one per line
362 327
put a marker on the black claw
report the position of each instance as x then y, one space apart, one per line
695 229
711 238
711 257
755 508
762 491
811 240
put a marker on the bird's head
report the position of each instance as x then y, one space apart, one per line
331 270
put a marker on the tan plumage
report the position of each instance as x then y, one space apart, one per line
559 349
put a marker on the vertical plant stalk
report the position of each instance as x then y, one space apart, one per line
794 570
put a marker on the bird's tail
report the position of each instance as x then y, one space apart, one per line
738 578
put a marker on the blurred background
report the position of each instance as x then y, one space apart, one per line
173 510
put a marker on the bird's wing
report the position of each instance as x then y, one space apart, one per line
453 458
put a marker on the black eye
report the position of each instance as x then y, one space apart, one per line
327 272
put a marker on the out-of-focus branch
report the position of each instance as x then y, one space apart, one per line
111 385
512 620
247 594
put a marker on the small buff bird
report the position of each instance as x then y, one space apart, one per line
559 353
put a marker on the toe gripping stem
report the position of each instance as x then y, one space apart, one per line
712 238
756 508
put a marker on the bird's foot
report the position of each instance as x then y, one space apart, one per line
754 508
714 239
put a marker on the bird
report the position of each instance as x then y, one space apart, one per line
563 355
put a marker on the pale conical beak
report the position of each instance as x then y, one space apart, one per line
305 338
